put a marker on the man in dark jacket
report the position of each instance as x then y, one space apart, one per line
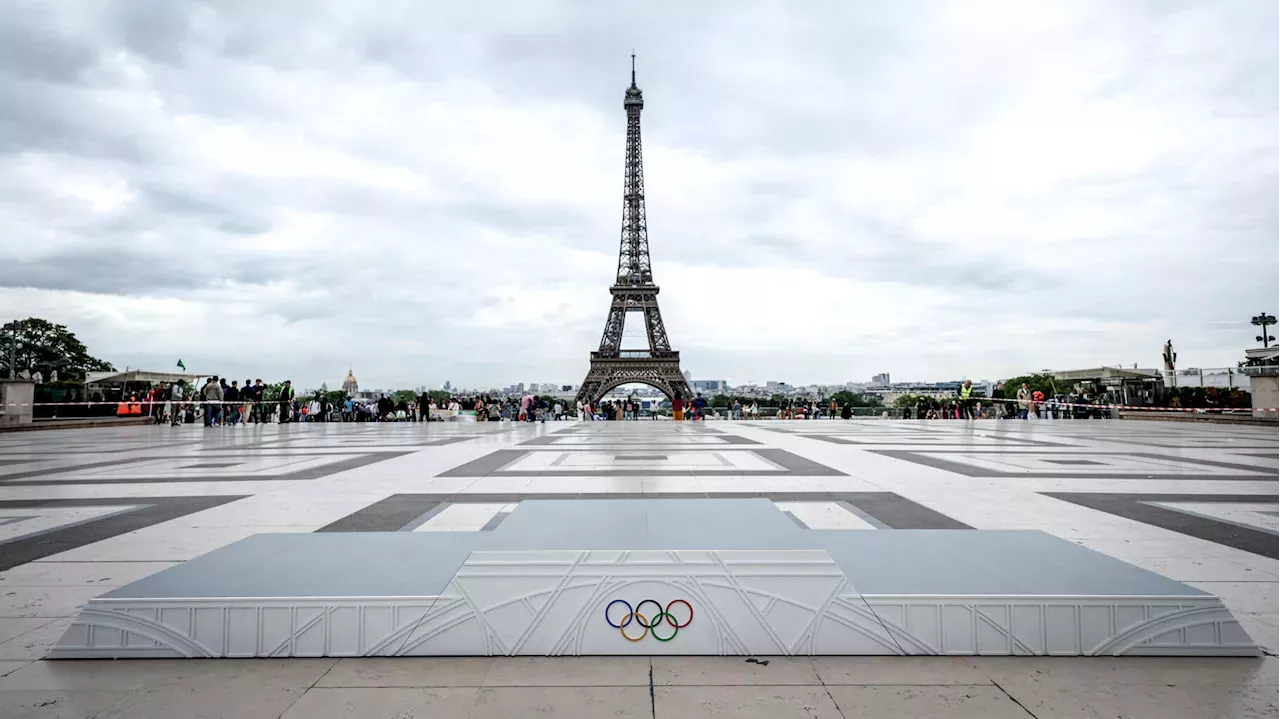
231 410
1005 410
286 401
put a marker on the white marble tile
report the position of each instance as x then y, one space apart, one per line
824 515
463 517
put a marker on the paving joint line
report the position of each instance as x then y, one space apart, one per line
323 674
653 703
1012 699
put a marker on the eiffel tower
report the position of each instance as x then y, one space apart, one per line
633 290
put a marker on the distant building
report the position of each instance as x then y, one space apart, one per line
881 380
688 376
709 385
349 385
447 386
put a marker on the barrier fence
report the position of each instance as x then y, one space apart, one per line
765 412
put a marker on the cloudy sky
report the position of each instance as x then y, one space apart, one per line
431 192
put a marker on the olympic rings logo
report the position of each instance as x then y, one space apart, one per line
648 626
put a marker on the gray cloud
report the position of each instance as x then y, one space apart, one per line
434 189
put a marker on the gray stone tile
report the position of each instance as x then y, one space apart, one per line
1253 597
1129 671
897 670
568 672
49 602
103 574
733 671
385 703
744 702
228 701
11 627
560 701
408 672
926 702
1144 701
1232 701
7 668
1262 628
158 673
35 643
39 704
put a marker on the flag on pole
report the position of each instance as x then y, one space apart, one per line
181 366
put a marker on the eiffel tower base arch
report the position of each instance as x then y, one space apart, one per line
661 373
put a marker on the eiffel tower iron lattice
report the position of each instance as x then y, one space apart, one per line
633 290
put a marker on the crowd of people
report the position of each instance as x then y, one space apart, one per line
222 403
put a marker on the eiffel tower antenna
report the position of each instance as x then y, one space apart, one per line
633 288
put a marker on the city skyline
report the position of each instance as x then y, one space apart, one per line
831 192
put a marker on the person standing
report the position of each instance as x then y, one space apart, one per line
246 401
177 393
966 400
286 401
998 399
157 397
231 396
699 408
1024 401
737 409
677 408
211 393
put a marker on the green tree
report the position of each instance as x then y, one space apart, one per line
404 395
335 396
1043 382
908 400
852 399
46 347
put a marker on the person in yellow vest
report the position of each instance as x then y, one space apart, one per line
966 400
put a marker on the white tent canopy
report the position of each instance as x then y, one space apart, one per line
141 375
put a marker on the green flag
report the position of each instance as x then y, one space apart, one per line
181 366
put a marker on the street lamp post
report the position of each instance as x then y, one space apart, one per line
1264 320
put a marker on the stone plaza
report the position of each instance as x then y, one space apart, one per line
86 513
